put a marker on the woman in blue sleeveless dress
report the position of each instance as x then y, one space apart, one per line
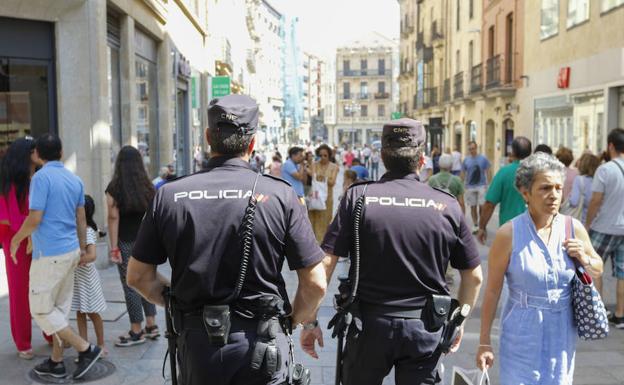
538 337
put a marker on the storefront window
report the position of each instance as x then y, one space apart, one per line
549 18
24 102
575 121
147 113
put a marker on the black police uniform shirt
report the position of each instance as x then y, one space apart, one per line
195 222
409 234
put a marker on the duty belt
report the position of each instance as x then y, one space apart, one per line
194 321
390 311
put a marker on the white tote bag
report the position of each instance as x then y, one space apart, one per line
462 376
317 197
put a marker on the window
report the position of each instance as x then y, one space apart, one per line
381 110
457 14
549 18
381 87
457 62
346 111
363 66
346 90
606 5
491 41
471 9
346 67
363 89
381 65
470 55
578 12
364 111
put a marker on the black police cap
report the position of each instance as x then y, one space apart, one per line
234 113
403 132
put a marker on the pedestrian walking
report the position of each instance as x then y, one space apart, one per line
127 198
605 217
435 159
531 253
348 158
426 171
326 172
361 171
18 166
275 168
565 156
476 172
457 162
375 158
57 224
366 154
400 235
222 276
543 148
448 182
582 186
88 300
294 170
502 190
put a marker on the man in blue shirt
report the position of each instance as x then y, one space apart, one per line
476 172
294 171
361 171
58 225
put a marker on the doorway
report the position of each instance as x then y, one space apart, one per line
508 134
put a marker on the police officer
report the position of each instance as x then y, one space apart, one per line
229 315
408 233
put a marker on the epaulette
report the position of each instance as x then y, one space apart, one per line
362 182
277 178
445 192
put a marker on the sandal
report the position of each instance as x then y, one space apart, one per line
151 332
26 355
131 339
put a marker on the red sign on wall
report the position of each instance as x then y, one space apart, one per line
563 80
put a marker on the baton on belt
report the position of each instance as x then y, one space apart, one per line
170 335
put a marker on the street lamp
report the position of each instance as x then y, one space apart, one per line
352 107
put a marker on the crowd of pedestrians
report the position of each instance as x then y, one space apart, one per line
48 235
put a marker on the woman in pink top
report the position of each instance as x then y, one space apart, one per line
16 170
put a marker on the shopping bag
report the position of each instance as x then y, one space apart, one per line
590 314
470 376
317 197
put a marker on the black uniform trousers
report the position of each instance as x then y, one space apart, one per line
387 342
202 364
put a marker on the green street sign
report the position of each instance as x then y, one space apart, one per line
395 115
220 86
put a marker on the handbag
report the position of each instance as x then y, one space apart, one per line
575 212
318 196
461 376
590 314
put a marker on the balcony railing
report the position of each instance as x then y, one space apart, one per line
363 96
346 96
407 27
382 95
365 72
476 79
430 97
447 90
436 32
493 72
458 85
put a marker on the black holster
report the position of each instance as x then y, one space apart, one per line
436 312
217 321
266 356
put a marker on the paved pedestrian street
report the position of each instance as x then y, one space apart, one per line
597 363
